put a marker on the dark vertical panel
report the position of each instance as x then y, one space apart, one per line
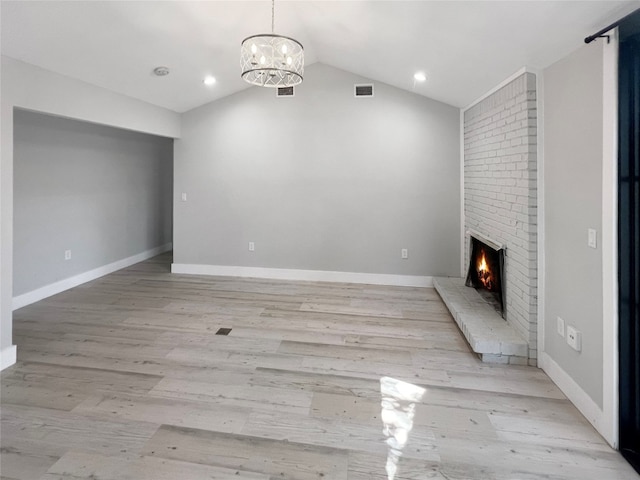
629 238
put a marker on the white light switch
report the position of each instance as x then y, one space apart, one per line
184 197
252 247
67 254
404 253
592 238
560 327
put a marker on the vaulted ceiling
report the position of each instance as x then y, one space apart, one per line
464 47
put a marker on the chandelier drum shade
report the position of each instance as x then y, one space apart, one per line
270 60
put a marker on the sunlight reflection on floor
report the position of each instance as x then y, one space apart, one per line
398 409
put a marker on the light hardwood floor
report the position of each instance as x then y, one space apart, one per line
124 378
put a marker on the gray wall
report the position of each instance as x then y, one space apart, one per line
103 193
321 181
573 203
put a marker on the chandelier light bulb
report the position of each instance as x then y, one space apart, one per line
289 60
209 80
284 49
263 59
254 49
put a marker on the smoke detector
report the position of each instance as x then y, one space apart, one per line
161 71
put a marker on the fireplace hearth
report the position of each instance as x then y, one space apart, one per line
486 273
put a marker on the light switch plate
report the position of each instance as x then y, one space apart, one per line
592 238
560 327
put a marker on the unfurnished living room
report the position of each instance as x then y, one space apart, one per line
338 240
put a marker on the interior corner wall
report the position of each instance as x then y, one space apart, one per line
103 193
573 178
28 87
321 181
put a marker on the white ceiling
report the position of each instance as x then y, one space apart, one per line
465 47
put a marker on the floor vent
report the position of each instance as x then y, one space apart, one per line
286 92
223 331
363 90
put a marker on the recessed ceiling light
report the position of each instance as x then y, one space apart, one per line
209 80
420 76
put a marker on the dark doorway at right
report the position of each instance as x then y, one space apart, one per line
629 237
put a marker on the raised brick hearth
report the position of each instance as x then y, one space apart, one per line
493 339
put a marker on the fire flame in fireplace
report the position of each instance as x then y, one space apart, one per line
484 274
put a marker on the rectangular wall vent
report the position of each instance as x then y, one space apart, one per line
286 92
363 90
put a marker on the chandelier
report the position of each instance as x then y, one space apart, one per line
270 60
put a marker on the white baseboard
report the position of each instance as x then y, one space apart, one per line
57 287
304 275
8 357
583 402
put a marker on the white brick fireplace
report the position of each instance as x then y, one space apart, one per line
500 202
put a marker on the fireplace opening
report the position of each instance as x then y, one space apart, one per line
485 274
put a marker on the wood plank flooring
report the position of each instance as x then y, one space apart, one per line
125 378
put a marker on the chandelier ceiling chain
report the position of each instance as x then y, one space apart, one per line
271 60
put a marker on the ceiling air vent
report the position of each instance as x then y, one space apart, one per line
286 92
363 90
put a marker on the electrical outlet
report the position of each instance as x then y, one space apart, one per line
560 327
404 253
67 254
574 338
252 246
183 197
